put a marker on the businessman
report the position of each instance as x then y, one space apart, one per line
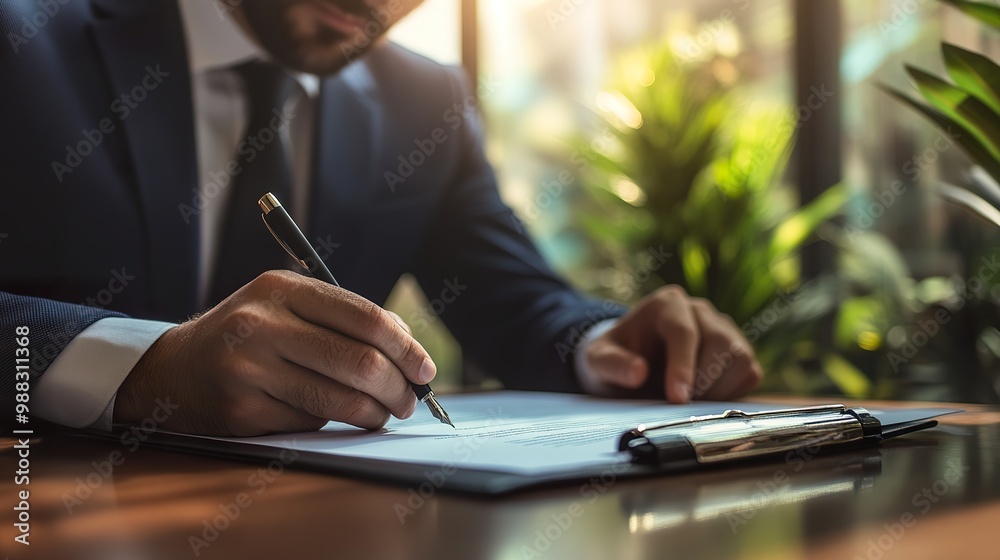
139 135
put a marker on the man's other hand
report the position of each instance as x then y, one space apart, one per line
695 351
285 353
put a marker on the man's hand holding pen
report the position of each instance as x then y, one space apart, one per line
289 353
316 353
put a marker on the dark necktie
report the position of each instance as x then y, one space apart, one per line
246 248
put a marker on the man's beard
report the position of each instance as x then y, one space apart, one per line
319 49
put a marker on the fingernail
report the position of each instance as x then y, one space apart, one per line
427 371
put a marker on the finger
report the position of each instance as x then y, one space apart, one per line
320 396
726 360
612 364
679 330
284 418
742 377
715 360
262 414
348 362
348 313
399 321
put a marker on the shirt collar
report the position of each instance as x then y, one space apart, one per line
216 42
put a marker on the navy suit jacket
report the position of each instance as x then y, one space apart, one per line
98 192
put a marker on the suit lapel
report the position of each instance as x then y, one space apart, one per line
349 133
144 52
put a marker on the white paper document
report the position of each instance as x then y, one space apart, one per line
509 432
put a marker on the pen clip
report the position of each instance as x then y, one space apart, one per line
282 243
737 414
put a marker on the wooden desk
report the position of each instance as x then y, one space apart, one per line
859 505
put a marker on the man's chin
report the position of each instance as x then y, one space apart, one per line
321 62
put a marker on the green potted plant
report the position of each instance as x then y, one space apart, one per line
694 172
965 104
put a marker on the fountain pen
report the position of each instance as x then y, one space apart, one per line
290 237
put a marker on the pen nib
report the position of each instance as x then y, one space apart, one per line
438 412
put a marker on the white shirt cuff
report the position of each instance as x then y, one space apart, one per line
580 356
78 389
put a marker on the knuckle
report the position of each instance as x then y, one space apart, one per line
243 416
399 321
673 291
360 410
373 318
704 305
719 334
370 367
330 351
251 315
312 398
273 278
680 329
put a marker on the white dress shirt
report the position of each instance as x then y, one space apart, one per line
79 387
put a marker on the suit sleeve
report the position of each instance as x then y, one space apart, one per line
50 327
512 314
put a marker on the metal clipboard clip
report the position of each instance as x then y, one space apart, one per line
736 435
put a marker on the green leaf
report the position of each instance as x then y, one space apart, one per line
972 203
959 105
794 231
974 73
966 140
846 377
986 13
695 262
